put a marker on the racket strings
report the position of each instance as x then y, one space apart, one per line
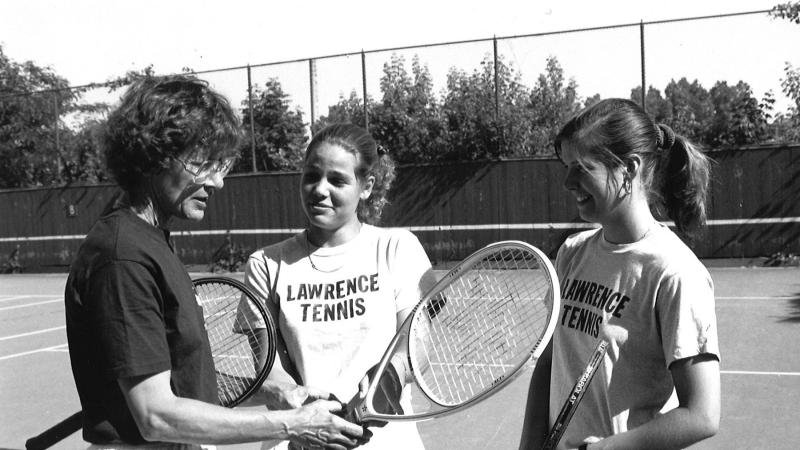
489 321
233 351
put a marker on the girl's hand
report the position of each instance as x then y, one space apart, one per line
280 395
589 440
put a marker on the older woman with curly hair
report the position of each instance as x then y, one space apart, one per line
139 351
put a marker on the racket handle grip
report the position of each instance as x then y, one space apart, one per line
56 433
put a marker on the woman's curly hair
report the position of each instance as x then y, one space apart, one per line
373 160
163 117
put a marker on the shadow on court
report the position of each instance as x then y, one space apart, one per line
794 310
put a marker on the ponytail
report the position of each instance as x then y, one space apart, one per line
370 210
674 172
685 174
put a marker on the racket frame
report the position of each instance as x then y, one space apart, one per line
269 326
363 412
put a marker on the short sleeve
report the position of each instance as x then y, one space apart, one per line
410 268
256 277
561 258
686 317
127 317
565 254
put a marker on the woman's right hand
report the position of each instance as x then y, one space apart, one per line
320 427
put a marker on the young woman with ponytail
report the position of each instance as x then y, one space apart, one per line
661 387
340 289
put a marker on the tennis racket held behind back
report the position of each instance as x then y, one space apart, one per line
469 336
242 337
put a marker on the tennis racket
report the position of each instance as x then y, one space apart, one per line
468 337
608 334
242 338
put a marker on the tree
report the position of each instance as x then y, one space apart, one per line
407 120
553 101
280 134
30 125
346 110
789 11
589 101
786 126
692 108
655 104
83 161
467 110
477 124
738 118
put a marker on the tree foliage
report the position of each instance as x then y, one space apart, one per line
789 11
787 126
468 108
29 124
486 112
407 121
37 146
738 117
553 100
348 109
279 133
723 116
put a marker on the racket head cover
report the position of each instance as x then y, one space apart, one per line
472 333
241 334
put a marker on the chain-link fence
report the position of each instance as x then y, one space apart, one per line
610 61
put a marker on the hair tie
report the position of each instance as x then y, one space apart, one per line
381 150
666 137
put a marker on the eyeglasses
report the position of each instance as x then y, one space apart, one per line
203 170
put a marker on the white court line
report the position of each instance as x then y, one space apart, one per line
749 372
782 297
30 304
46 330
20 297
45 349
488 226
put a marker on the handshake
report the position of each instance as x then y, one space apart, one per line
385 400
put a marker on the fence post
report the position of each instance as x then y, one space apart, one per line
497 126
57 137
312 83
641 45
364 88
496 82
252 120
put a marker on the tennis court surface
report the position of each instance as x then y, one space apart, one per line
758 310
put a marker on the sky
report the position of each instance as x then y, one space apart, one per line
95 40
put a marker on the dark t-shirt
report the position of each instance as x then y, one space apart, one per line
131 311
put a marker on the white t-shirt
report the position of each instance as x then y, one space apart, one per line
659 292
338 308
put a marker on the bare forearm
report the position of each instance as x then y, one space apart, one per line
190 421
676 429
161 416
